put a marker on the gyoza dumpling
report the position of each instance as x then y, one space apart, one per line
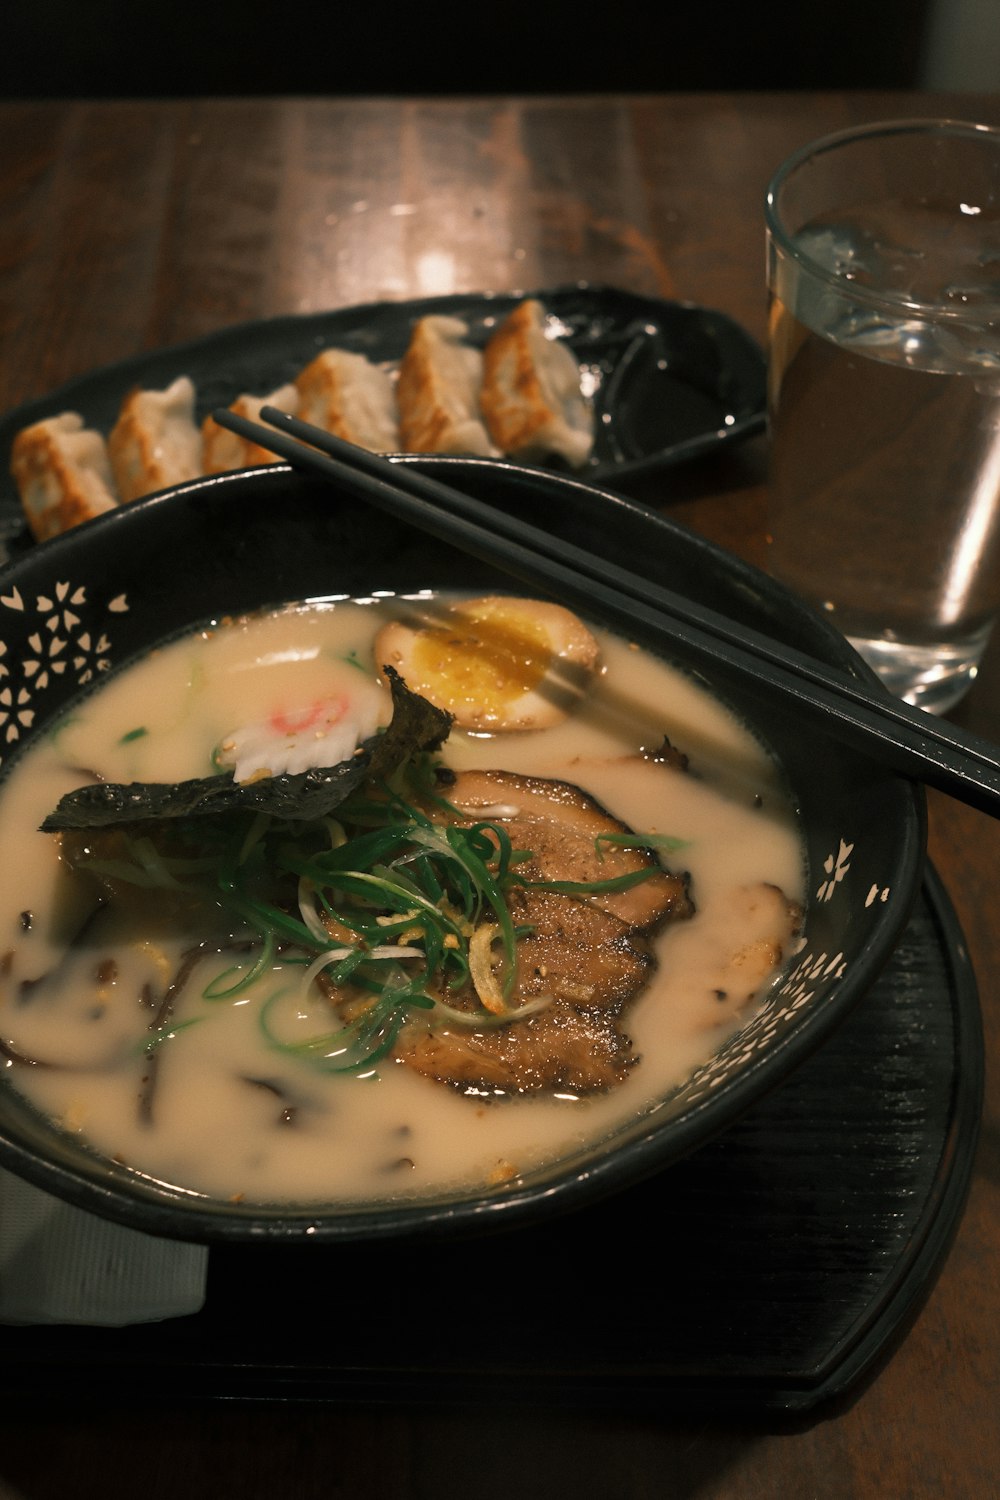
223 450
438 391
62 474
346 394
156 441
531 398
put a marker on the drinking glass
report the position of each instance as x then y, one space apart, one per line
883 258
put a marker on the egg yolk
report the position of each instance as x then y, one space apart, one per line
499 657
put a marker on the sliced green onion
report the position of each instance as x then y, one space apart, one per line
342 891
217 990
664 841
359 1043
167 1033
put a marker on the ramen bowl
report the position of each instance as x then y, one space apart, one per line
105 595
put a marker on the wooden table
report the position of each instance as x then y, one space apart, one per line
129 225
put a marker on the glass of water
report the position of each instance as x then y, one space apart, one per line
883 248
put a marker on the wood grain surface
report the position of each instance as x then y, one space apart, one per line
128 225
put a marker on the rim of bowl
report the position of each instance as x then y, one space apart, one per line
600 1169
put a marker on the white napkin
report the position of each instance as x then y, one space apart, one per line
59 1264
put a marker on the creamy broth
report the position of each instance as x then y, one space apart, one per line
393 1133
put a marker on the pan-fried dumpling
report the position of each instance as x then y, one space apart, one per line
438 391
62 473
346 394
531 398
156 441
223 450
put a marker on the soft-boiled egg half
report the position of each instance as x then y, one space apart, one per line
496 663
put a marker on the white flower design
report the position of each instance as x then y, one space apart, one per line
63 645
836 867
14 713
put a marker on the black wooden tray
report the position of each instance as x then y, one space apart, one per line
766 1272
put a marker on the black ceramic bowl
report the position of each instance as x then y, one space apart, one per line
237 543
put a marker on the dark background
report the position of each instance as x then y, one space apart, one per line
88 48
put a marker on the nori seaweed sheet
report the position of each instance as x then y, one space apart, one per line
416 726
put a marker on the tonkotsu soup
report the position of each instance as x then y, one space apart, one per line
446 972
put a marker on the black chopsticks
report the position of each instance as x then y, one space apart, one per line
903 738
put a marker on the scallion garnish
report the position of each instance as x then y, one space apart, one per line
665 843
377 888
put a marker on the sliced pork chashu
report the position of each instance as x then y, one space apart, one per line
590 953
